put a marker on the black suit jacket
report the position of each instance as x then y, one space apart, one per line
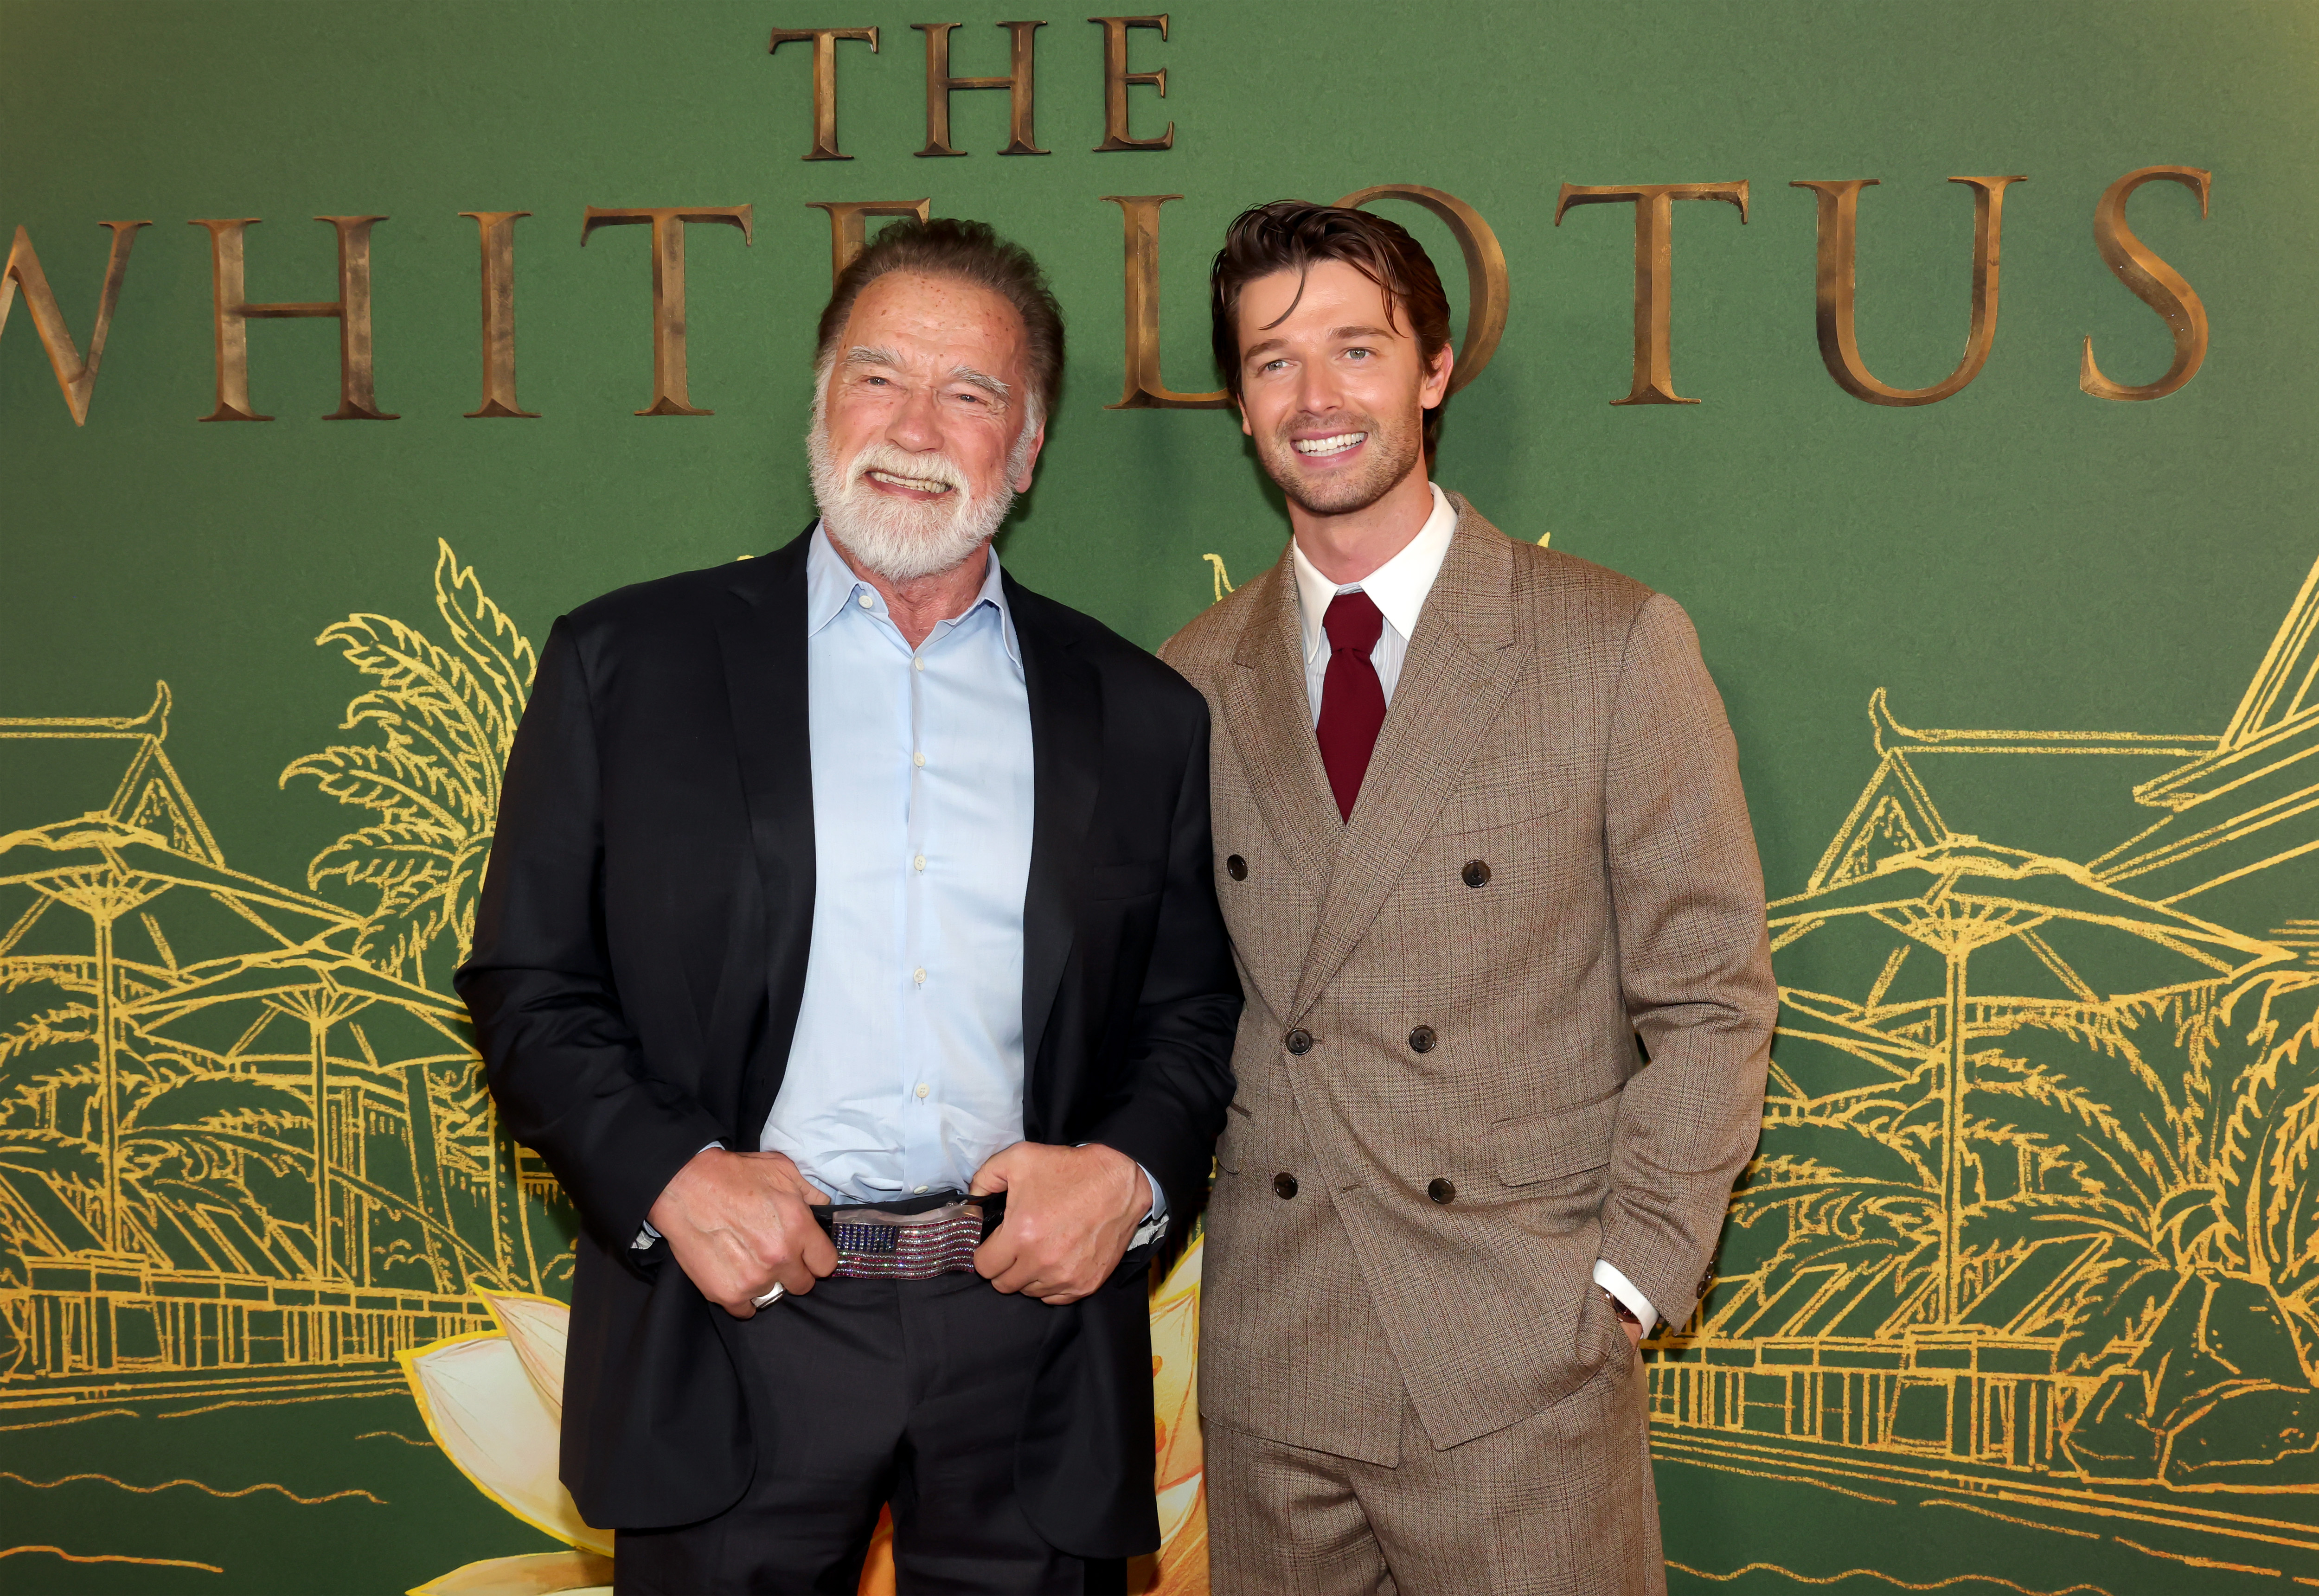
640 954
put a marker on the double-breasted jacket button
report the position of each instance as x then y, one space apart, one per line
1422 1040
1298 1041
1236 867
1442 1190
1476 872
1284 1185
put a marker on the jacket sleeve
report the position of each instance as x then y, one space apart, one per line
1179 1049
566 1068
1694 961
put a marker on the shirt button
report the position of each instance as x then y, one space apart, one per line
917 665
921 1191
866 601
919 863
924 1088
920 760
918 975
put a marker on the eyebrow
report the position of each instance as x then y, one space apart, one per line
865 355
982 380
1336 334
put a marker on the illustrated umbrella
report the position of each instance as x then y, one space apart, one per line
401 1030
1961 895
128 881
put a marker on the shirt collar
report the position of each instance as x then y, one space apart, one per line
831 585
1397 588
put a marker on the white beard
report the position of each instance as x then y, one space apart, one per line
903 539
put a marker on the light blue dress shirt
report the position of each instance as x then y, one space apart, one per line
906 1068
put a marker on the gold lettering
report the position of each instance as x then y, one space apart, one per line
672 395
1017 84
1145 389
847 236
232 313
2152 282
77 377
1117 80
824 81
1654 205
496 229
1487 288
1839 349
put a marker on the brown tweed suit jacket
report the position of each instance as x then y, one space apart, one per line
1551 855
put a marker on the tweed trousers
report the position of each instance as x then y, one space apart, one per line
1559 1504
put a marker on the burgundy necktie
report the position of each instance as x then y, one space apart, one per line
1352 699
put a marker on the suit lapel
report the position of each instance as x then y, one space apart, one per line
1065 700
761 631
1461 665
1268 716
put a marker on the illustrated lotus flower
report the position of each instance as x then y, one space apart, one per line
1181 1474
493 1401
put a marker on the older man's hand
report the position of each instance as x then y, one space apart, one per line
738 1224
1071 1213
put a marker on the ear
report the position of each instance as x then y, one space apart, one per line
1435 388
1241 407
1031 460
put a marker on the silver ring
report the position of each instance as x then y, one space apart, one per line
770 1298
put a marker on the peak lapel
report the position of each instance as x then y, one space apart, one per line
1462 664
1065 700
1268 716
760 619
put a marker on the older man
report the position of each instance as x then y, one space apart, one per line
844 900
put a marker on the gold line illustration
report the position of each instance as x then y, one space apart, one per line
112 1558
2035 1213
194 1485
1869 1573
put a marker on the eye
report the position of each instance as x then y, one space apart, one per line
875 381
1358 353
1273 365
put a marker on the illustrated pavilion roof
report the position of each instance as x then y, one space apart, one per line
2223 825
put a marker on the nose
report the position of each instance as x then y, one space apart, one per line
1318 390
916 424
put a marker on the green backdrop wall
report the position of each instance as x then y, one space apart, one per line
2120 1393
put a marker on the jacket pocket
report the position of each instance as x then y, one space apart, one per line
1550 1146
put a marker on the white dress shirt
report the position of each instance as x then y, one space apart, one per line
1398 588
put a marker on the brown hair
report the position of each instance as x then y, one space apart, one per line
1292 236
971 252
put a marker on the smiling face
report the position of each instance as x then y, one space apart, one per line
1333 390
924 428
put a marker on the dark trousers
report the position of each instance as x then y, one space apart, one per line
864 1394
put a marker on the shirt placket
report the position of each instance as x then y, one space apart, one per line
923 1155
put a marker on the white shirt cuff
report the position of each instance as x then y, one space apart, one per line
1607 1276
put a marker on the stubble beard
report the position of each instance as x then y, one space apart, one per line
903 540
1393 451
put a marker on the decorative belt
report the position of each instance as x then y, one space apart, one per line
897 1243
916 1239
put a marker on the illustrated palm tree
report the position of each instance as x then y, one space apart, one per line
444 717
1962 895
